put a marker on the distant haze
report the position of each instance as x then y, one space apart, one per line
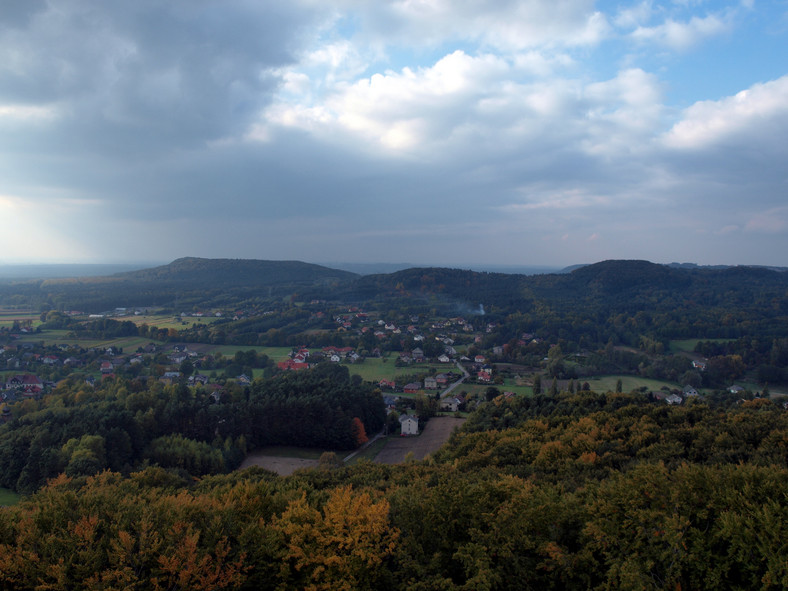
42 271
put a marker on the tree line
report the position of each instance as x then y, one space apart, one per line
121 424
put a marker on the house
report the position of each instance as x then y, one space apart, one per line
673 399
450 404
26 382
484 376
690 391
292 365
444 358
430 383
106 367
443 378
478 359
701 365
417 354
389 384
412 387
409 424
339 351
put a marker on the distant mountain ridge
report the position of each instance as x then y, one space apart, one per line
237 272
613 284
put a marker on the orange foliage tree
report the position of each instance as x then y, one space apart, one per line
359 433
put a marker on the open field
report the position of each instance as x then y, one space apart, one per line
435 434
281 465
384 368
168 320
628 383
7 317
275 353
284 459
291 451
8 497
370 452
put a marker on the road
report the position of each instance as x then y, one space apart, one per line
464 376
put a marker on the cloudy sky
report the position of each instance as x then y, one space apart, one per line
450 132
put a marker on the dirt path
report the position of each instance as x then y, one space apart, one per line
435 434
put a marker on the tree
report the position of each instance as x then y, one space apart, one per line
342 547
186 368
359 433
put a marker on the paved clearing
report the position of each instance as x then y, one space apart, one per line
435 434
280 465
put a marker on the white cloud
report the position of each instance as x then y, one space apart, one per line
681 36
507 25
634 16
400 110
753 114
624 112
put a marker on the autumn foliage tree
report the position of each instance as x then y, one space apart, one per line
359 433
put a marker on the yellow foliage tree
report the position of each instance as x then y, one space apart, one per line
342 548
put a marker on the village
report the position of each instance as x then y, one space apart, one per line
411 362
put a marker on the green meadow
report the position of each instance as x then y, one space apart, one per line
8 497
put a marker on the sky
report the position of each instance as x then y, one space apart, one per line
440 132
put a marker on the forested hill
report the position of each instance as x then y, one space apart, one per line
608 287
624 281
237 272
187 281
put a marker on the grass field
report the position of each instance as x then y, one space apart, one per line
169 320
375 369
289 451
369 453
275 353
628 383
8 497
7 317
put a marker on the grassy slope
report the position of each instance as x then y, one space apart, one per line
8 497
